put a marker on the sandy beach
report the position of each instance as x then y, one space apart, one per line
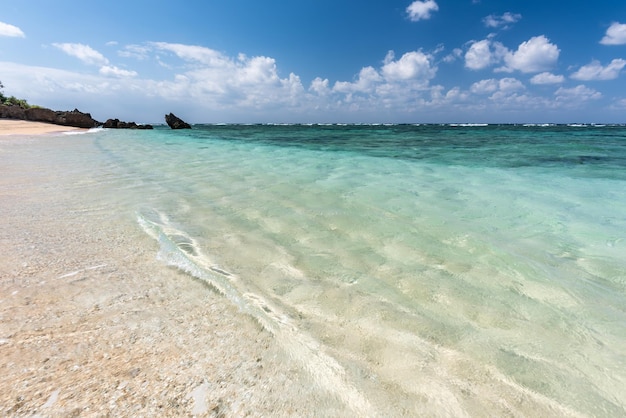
158 273
23 127
92 324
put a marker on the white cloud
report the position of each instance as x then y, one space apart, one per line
485 86
257 70
411 66
615 34
576 94
320 86
489 86
547 78
139 52
421 10
495 21
412 71
479 55
483 54
194 53
366 82
113 71
84 53
220 80
595 70
510 84
453 56
10 31
208 85
535 55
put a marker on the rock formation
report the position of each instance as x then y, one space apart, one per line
118 124
74 118
175 122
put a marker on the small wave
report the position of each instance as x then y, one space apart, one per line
180 250
88 131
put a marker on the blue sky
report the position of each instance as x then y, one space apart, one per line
320 60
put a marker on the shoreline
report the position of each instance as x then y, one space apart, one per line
93 324
25 127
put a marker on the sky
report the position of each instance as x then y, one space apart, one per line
324 61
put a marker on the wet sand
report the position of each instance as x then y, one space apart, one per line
92 324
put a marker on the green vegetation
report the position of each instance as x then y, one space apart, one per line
12 100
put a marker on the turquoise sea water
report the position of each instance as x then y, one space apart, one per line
448 267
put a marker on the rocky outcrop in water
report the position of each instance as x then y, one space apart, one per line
74 118
118 124
175 122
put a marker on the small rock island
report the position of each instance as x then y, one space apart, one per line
175 122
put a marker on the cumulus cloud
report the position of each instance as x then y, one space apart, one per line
411 66
485 86
535 55
479 55
230 81
10 31
615 34
482 54
366 82
577 95
210 84
507 84
320 86
413 70
421 10
547 78
504 21
595 70
84 53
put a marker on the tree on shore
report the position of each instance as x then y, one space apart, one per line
12 100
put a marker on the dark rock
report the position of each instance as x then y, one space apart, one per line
12 112
40 114
75 118
111 123
118 124
175 122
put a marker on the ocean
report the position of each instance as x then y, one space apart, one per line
445 267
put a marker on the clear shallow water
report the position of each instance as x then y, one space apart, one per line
442 269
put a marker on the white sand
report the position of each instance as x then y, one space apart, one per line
24 127
91 324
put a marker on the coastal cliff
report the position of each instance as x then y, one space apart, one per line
74 118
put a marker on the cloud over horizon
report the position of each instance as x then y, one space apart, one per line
501 70
535 55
